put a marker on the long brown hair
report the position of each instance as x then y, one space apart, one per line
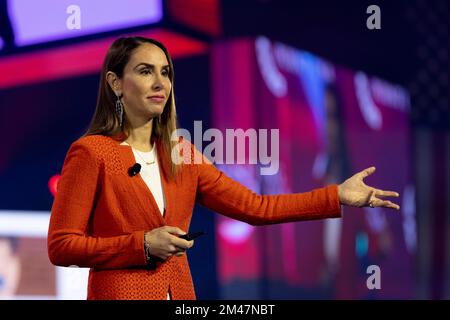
105 120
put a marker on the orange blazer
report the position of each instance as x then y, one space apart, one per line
100 213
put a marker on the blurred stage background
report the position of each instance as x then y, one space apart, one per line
342 96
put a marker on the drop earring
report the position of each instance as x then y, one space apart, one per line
119 109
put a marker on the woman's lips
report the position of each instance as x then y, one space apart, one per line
156 98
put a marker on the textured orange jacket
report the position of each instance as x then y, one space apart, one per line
100 213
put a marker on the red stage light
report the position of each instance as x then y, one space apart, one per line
53 184
84 58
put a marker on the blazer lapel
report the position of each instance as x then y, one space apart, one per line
142 193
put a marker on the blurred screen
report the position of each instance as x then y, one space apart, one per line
48 20
333 122
25 270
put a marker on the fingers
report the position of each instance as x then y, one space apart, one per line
374 201
177 251
172 251
370 198
175 246
384 204
181 243
180 251
174 230
175 240
367 172
382 193
391 205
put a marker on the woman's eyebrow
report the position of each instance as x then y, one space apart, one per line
151 66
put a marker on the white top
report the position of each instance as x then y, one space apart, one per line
151 176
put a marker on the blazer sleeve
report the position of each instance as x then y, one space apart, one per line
226 196
68 241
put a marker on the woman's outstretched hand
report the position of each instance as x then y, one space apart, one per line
354 192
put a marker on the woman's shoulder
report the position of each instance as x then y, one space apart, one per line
96 143
93 139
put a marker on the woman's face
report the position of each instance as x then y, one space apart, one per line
146 84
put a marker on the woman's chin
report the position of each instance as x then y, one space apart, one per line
156 109
154 114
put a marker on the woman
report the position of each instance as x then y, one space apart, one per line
124 225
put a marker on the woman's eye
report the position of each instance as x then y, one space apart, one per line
165 73
145 71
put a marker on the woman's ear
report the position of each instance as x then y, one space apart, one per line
114 82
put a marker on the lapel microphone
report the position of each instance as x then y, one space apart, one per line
134 170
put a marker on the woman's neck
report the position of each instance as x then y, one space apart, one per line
139 137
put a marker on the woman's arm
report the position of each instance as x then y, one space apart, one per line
68 243
226 196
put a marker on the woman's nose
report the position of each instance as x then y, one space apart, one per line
157 84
